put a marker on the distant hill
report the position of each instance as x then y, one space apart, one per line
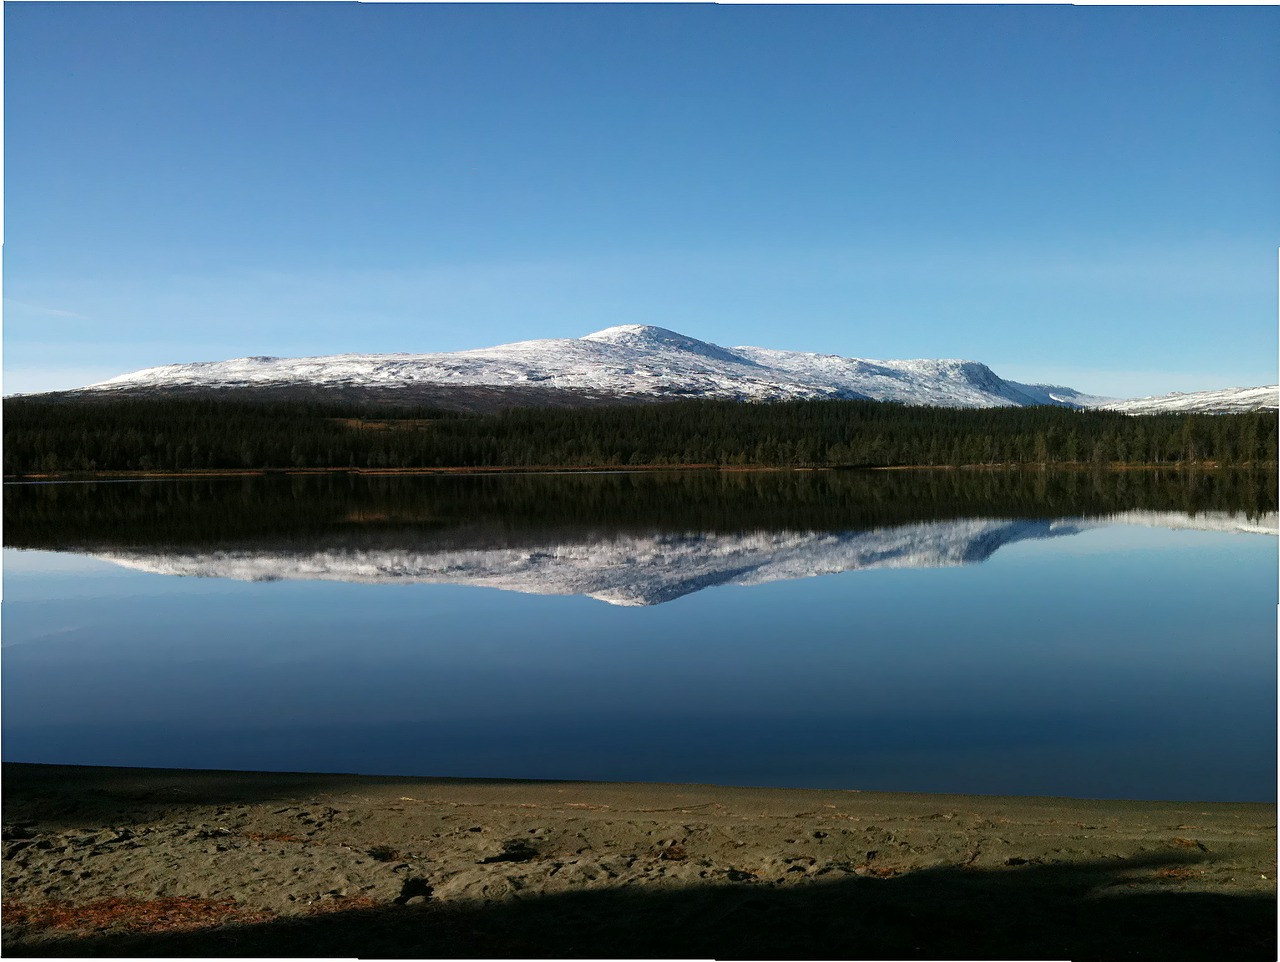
626 364
631 362
1232 400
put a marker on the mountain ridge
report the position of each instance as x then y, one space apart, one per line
1224 401
624 363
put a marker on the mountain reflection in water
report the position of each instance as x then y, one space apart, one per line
651 570
1065 650
626 539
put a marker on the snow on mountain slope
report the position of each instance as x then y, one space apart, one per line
1227 401
624 360
1057 394
647 570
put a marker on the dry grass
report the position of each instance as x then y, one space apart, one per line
881 871
342 903
672 853
179 914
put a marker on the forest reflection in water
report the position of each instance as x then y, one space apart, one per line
629 539
456 510
1094 652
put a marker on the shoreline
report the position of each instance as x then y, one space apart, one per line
89 477
124 861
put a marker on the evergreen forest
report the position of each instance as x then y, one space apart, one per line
188 434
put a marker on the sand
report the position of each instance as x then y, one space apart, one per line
137 862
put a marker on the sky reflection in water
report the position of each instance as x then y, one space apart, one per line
1112 661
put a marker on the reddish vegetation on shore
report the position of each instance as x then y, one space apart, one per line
147 862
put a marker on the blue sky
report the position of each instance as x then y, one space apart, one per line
1080 195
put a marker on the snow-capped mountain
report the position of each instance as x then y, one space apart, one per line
631 361
1231 400
633 570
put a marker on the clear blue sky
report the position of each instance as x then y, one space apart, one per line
1088 196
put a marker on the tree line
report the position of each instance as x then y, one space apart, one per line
185 434
511 510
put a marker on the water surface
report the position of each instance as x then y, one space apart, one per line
1085 635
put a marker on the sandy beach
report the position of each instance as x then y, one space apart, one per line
137 862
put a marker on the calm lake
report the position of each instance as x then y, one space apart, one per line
1081 634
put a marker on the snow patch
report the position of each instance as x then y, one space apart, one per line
1234 400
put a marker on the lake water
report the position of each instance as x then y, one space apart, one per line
1090 635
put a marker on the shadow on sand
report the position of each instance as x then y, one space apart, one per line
1105 909
1079 911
